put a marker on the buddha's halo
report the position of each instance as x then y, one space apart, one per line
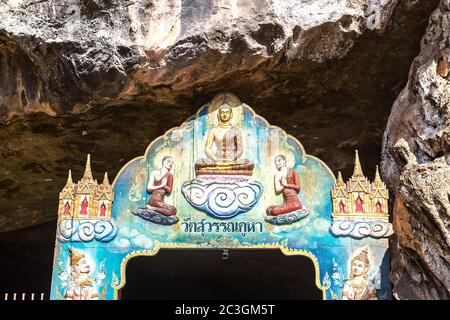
230 100
290 158
157 161
225 97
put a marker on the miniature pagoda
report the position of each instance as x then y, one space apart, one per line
86 199
360 208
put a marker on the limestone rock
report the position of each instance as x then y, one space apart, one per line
72 56
416 171
108 77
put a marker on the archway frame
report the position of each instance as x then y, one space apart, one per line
158 246
342 253
281 246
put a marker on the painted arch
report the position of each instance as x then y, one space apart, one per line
133 235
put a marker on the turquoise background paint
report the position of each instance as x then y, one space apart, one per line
186 145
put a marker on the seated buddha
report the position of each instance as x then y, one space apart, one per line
224 148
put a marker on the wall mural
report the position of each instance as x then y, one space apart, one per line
224 179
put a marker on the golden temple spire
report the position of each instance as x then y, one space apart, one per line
340 181
69 179
357 171
377 182
87 170
106 180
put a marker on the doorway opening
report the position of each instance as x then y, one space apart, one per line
211 275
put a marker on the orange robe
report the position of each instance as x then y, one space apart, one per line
291 201
157 199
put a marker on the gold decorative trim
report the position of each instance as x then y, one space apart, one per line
360 215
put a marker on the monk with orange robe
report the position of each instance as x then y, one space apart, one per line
287 182
160 184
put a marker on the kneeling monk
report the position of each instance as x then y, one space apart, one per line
159 185
286 181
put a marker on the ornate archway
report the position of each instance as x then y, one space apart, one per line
224 179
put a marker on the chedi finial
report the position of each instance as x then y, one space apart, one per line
87 171
339 181
377 181
357 171
106 180
69 179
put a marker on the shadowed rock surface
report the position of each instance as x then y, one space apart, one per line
415 169
108 77
310 67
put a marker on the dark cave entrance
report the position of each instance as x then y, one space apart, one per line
204 274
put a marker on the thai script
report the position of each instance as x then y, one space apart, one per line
203 226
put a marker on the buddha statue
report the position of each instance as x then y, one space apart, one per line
224 148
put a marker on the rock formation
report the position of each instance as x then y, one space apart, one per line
107 77
73 77
415 155
74 56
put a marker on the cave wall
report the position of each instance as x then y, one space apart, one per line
414 166
107 77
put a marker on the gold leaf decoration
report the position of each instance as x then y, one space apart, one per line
311 189
114 281
103 293
333 295
326 283
138 184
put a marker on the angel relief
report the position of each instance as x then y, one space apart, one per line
81 285
359 286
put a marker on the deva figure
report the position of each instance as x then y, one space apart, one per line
359 286
81 286
159 185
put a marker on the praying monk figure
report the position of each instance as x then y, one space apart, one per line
286 181
159 185
224 148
